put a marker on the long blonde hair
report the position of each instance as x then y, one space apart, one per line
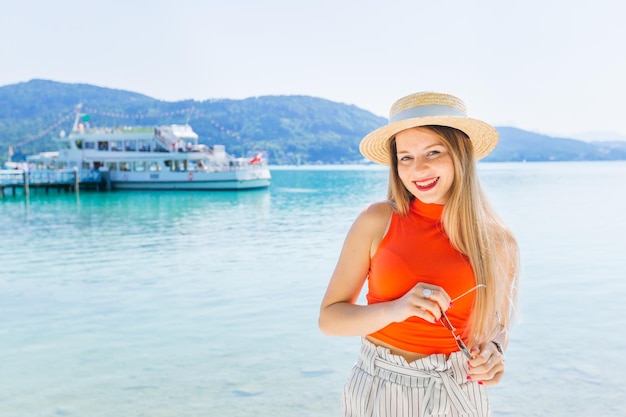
476 231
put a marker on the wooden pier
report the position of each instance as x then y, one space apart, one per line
63 179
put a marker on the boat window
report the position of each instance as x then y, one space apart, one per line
130 145
103 146
143 146
124 166
140 166
89 145
175 165
154 166
112 166
79 144
117 145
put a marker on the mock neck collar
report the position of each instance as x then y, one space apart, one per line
429 211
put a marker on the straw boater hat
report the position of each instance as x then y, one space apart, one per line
424 109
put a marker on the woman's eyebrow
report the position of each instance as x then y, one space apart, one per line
423 149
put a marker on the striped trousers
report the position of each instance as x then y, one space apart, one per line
385 385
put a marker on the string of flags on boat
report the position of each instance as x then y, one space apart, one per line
120 115
190 110
138 115
44 132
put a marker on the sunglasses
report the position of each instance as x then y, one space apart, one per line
448 325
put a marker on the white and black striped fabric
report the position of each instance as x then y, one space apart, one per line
385 385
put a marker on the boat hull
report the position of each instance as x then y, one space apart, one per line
233 180
197 185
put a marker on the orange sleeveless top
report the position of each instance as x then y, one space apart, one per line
416 249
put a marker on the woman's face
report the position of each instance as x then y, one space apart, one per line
424 165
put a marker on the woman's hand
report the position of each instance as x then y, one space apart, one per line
424 300
487 367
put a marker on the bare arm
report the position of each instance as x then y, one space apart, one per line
339 313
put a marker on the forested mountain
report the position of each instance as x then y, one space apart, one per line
520 145
291 129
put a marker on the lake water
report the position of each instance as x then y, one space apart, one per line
206 304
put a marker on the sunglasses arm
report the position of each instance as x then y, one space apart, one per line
501 340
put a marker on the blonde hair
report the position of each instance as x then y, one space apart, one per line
476 231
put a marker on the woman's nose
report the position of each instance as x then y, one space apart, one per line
419 164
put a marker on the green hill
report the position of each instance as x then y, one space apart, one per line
291 129
520 145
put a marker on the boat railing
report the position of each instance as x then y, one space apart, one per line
41 177
245 165
231 166
11 177
66 176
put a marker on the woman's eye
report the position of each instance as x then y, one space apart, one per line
432 154
405 158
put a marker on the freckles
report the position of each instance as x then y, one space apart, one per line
445 163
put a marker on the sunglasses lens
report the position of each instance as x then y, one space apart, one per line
463 348
446 323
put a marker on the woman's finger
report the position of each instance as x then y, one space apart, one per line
487 366
436 294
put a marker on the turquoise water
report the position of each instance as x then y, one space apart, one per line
205 304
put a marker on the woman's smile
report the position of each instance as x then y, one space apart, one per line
425 185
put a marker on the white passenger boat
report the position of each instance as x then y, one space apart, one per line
160 158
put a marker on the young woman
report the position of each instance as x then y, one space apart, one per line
441 270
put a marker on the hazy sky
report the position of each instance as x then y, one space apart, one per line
555 67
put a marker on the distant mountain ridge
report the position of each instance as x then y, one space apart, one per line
291 129
520 145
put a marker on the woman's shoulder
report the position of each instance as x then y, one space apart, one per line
376 215
378 210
